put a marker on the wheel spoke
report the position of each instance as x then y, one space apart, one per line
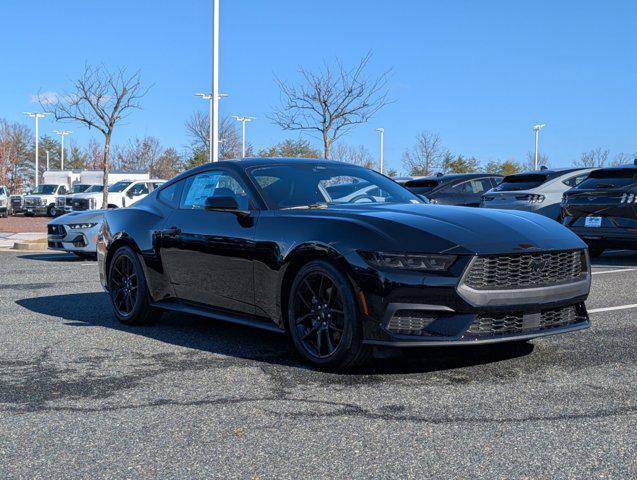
319 331
309 287
300 295
330 347
310 332
304 318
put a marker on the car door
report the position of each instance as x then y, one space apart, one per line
135 192
209 255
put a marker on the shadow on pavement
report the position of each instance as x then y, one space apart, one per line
53 257
94 310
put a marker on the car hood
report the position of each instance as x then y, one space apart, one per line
90 216
437 228
87 195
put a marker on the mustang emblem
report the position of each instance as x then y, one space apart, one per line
537 265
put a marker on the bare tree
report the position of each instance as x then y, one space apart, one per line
95 153
198 128
623 158
100 99
356 155
139 154
596 157
15 145
329 103
167 165
543 161
426 155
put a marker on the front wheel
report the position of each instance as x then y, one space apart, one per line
323 318
51 211
128 289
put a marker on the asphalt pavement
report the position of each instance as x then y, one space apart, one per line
82 396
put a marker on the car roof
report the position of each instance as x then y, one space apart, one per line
550 173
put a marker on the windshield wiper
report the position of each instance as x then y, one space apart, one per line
307 207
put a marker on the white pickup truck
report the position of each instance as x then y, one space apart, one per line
43 200
121 194
4 201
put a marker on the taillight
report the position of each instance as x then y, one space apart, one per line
532 198
628 198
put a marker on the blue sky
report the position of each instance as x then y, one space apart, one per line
479 73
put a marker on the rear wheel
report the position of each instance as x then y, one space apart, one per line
128 289
323 318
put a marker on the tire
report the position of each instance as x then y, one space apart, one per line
128 289
51 211
323 319
86 255
5 214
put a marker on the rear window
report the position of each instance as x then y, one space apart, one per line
609 179
421 186
521 182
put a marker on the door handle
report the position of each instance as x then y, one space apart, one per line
170 232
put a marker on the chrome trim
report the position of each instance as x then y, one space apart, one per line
509 297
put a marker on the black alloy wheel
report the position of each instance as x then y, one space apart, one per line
323 319
128 289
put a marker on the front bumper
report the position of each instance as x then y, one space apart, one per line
73 240
35 209
407 309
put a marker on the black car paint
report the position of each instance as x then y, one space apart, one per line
619 220
241 266
444 194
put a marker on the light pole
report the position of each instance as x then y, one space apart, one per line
537 129
214 146
213 133
37 117
47 160
62 134
382 148
243 121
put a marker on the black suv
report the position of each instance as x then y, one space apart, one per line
465 189
602 209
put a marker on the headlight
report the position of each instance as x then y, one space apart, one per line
77 226
409 261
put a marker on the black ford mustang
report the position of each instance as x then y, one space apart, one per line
340 258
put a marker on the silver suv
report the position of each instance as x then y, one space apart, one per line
537 191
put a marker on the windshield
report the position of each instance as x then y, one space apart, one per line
45 190
421 186
609 179
306 185
95 189
79 188
521 182
119 186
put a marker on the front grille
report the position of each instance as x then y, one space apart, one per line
530 270
80 204
69 201
32 202
16 202
520 323
56 230
410 322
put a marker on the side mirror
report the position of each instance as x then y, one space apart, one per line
130 194
221 204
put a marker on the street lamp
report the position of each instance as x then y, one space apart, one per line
214 107
47 160
382 148
62 134
537 129
37 116
214 131
243 121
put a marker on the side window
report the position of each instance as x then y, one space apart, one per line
212 184
170 195
62 190
495 181
138 189
574 181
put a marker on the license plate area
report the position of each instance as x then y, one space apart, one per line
593 222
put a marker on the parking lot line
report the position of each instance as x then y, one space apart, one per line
617 270
610 309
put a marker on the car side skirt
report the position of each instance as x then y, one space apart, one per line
202 311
